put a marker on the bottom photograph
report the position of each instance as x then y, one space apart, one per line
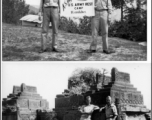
76 91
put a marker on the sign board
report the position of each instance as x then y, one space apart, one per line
77 8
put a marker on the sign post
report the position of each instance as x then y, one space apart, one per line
77 8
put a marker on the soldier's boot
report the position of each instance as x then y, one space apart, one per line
55 42
93 46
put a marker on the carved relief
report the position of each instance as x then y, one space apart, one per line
116 94
27 117
24 117
22 103
35 104
31 89
129 96
120 76
122 95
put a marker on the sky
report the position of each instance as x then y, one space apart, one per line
51 78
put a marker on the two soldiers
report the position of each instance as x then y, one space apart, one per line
51 10
87 110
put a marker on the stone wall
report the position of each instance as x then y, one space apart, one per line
126 97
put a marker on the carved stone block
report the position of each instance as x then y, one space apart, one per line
31 89
22 103
34 104
120 76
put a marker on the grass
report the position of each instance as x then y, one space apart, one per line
23 44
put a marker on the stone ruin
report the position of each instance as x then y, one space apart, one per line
128 100
23 104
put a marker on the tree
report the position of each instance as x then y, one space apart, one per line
13 10
123 5
83 80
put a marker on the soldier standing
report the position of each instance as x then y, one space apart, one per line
87 109
100 21
110 110
49 9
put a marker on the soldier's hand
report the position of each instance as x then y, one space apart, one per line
40 16
95 7
101 109
109 19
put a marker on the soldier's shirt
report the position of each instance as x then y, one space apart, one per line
104 5
48 3
99 4
110 110
87 109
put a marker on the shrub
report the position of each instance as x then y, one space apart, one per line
68 25
85 26
133 27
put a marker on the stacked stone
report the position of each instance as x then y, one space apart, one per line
26 101
118 86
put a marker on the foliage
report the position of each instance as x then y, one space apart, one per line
50 116
124 5
13 10
85 26
133 27
68 25
83 80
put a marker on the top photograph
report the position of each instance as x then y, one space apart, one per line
74 30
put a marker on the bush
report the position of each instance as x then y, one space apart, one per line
85 26
134 26
68 25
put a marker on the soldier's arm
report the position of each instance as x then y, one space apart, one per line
40 10
95 107
109 6
41 6
103 108
59 6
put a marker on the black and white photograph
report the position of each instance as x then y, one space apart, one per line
75 60
91 91
75 30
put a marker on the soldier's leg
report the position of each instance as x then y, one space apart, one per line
45 26
55 24
104 29
95 29
104 32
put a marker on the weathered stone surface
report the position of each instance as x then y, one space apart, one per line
117 86
25 102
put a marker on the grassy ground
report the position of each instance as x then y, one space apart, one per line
23 44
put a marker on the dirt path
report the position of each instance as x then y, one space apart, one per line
23 43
